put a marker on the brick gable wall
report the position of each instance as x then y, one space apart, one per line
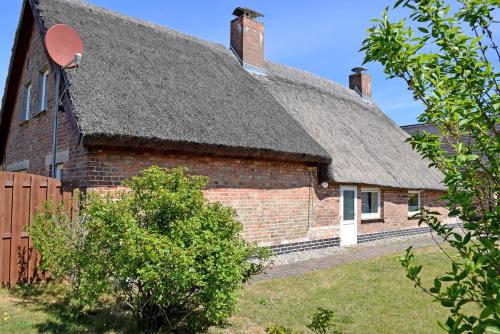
32 140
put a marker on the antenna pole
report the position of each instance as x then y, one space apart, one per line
56 121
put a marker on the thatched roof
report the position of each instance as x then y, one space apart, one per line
366 146
145 85
142 82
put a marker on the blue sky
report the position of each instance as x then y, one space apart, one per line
321 36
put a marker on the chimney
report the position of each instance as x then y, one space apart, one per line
247 39
361 82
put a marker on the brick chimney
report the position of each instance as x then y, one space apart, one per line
247 39
361 82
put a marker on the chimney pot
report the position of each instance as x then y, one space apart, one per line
361 82
247 39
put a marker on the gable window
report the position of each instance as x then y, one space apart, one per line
43 91
25 113
370 203
413 203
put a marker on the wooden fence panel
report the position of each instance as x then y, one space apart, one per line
21 195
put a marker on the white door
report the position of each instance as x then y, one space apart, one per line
348 215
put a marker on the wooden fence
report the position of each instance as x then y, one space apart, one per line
21 195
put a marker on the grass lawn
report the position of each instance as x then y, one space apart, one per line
370 296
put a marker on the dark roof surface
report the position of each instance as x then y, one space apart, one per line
145 85
414 128
139 80
446 144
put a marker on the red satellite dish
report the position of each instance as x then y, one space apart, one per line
62 43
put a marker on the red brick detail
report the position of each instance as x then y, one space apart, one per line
247 40
362 82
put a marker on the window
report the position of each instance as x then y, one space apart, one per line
25 114
413 203
43 91
370 203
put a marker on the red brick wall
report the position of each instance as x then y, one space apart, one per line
32 140
274 200
394 210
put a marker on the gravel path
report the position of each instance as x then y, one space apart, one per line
301 262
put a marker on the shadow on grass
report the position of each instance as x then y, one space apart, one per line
63 317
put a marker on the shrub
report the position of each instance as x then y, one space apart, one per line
175 259
63 243
322 321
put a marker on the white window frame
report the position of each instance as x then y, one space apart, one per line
27 101
374 215
43 103
412 213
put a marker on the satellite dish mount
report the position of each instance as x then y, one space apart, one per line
65 48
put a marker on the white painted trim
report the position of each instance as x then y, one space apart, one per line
27 103
412 213
341 211
374 215
43 105
17 166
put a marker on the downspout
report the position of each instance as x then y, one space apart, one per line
56 121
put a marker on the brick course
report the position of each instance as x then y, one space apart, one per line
277 202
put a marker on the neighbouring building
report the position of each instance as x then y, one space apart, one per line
306 162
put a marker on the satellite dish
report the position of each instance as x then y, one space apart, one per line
64 45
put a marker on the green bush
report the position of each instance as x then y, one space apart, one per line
175 259
322 321
64 245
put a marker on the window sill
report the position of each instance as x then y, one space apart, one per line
39 113
23 122
371 220
412 216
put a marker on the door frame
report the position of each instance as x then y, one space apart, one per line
341 211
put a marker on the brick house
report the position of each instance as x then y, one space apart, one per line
305 162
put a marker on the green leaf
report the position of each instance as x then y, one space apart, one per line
487 311
492 329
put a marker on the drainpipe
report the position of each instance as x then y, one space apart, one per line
56 121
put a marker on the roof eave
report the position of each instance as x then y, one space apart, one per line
198 148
